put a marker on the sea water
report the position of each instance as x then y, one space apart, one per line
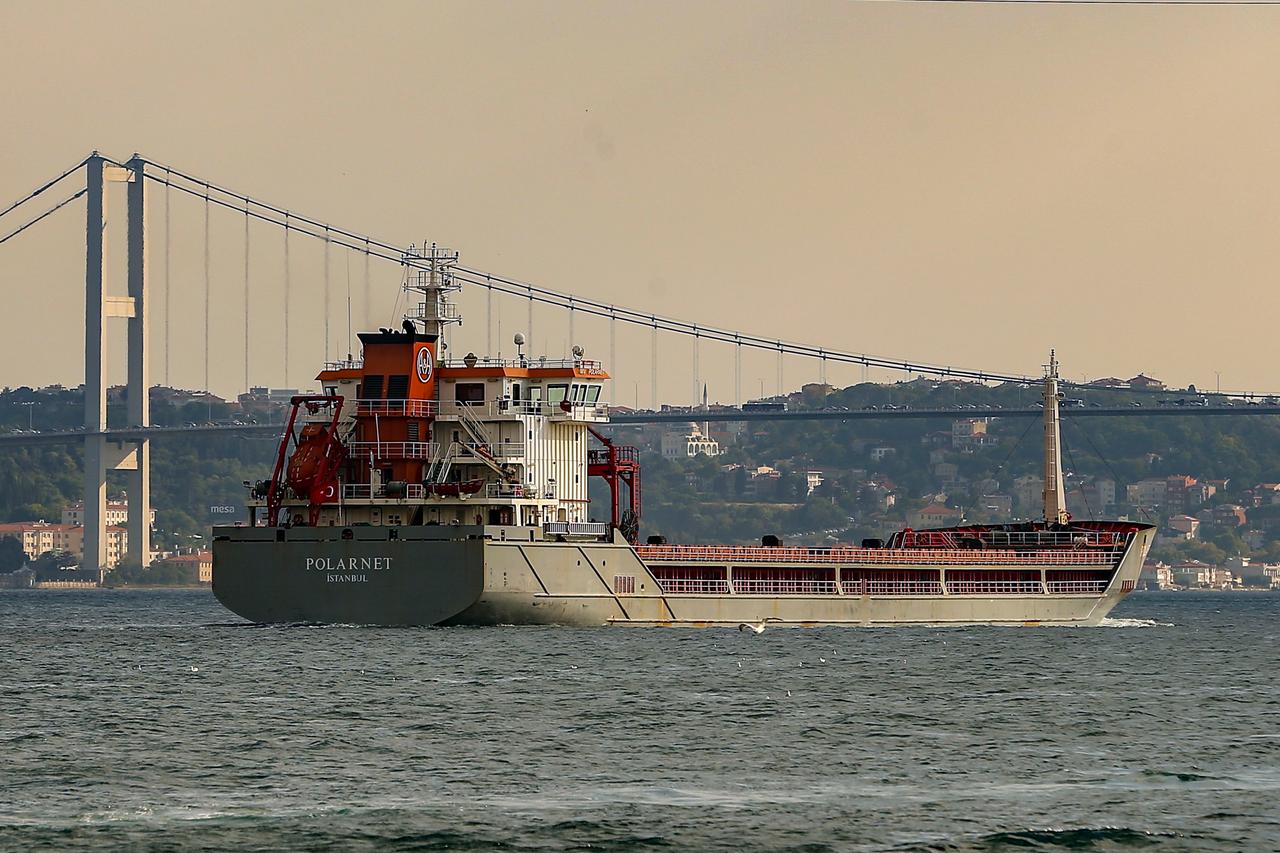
157 720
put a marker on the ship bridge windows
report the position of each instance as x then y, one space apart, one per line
593 394
557 393
471 393
373 387
398 387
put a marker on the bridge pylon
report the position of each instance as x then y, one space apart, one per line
100 454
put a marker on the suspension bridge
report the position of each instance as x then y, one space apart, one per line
268 348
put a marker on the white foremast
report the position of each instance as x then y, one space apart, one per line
1055 500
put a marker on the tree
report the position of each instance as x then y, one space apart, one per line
12 557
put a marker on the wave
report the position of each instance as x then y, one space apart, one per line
1109 622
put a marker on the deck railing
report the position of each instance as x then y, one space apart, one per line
754 586
727 554
393 449
1077 587
694 586
994 587
364 491
397 408
576 528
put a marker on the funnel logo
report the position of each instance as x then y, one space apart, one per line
424 365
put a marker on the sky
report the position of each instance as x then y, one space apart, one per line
962 184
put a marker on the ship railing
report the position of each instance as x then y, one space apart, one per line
1055 538
1077 587
694 586
576 528
498 450
754 586
994 587
347 364
393 449
509 490
875 587
872 556
397 408
364 491
584 365
578 411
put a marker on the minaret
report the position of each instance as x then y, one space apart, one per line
1055 501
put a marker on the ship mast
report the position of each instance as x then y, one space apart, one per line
429 273
1055 501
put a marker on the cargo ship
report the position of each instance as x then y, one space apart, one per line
417 489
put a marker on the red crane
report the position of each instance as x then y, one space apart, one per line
618 464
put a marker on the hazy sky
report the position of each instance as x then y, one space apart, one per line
965 184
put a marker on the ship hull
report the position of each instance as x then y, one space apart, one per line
506 576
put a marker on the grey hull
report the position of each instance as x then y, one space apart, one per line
507 576
365 581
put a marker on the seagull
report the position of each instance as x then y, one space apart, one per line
822 660
788 694
757 628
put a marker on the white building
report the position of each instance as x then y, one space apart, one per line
688 442
117 513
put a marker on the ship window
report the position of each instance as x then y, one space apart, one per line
515 392
469 392
579 393
556 393
535 393
331 390
593 395
373 387
398 387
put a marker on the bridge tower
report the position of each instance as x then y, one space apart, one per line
101 455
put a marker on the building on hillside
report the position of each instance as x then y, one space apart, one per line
41 537
1149 491
879 453
1230 515
946 473
970 433
1143 382
934 515
688 442
996 507
1109 382
200 564
1184 526
117 513
1028 491
812 479
1157 576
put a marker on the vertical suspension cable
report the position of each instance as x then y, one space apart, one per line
737 371
368 294
168 256
206 289
326 293
695 365
822 367
779 368
572 340
653 352
286 300
613 354
246 296
351 338
530 340
488 319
